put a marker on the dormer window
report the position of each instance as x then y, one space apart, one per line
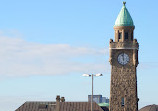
43 106
126 35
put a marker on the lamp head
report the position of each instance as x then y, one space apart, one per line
87 75
98 74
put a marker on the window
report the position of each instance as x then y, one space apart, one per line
120 35
122 102
132 36
126 35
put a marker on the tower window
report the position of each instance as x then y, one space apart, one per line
132 36
120 35
122 102
126 35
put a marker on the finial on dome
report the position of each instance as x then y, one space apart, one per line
124 3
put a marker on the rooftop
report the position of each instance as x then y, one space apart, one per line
150 108
64 106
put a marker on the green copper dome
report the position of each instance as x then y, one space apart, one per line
124 18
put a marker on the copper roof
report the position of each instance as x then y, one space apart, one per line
124 18
64 106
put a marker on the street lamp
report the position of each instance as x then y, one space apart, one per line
91 75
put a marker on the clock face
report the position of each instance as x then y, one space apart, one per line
123 58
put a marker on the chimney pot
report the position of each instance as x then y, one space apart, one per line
62 99
58 98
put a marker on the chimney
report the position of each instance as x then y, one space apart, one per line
58 98
58 103
62 99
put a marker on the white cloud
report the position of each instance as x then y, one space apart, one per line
19 58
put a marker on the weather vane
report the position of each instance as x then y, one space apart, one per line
124 3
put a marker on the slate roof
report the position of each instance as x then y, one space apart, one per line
64 106
37 106
150 108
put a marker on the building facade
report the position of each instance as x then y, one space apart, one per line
124 61
105 100
98 99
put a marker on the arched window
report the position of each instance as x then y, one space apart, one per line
120 35
132 36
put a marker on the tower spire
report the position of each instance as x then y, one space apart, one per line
124 18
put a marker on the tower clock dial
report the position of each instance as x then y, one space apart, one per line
123 58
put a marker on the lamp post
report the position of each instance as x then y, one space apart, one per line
91 75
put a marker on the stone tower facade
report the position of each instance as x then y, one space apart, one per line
124 61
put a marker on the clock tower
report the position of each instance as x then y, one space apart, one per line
124 61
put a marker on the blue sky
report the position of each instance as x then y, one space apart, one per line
45 47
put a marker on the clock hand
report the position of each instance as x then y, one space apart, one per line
123 58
